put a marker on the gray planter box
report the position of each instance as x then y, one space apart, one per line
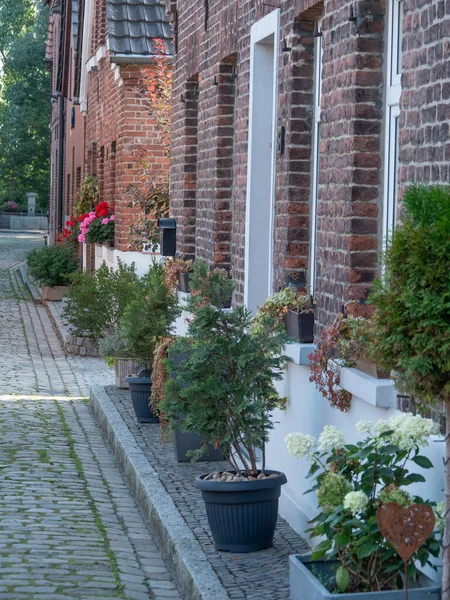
123 368
305 586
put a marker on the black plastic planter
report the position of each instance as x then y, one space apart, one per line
184 441
140 388
242 515
300 326
183 282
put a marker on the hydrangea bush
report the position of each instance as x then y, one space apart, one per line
351 482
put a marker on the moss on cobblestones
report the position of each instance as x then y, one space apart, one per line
98 521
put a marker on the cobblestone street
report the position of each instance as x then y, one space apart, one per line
69 527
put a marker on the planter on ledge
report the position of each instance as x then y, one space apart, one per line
183 282
370 368
184 441
242 515
304 584
55 293
140 388
300 326
123 368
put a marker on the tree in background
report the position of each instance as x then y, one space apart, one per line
152 196
24 101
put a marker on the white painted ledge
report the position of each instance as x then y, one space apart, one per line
299 353
377 392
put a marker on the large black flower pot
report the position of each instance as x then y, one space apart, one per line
300 326
242 515
140 388
184 441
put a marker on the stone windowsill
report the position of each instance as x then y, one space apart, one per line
377 392
299 353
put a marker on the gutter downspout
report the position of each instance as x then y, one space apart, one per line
62 128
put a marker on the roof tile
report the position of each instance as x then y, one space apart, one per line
133 24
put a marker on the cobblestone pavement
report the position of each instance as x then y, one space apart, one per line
257 576
69 528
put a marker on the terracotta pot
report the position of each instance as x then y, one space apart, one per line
369 367
54 293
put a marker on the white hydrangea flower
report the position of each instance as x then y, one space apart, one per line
356 502
408 430
364 426
300 444
330 438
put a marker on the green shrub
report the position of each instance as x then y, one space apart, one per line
224 390
150 316
52 265
209 286
97 300
412 300
113 346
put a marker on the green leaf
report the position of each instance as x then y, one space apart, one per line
423 462
412 478
342 539
367 550
342 578
321 549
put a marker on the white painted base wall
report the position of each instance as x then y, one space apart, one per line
111 256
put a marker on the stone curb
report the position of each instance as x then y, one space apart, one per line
191 569
36 294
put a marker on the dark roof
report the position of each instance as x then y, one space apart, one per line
134 24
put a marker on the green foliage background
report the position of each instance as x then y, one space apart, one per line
24 101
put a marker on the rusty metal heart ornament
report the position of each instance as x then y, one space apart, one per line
406 529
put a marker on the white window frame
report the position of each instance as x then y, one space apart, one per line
262 30
315 155
392 114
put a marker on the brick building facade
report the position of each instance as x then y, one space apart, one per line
99 50
296 125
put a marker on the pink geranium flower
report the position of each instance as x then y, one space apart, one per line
112 218
105 221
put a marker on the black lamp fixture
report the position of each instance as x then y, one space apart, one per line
215 82
182 98
285 47
358 19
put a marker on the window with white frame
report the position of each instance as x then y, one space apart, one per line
315 153
392 114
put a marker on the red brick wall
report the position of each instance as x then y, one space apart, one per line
425 101
350 187
117 124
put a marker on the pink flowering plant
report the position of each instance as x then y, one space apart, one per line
98 225
351 482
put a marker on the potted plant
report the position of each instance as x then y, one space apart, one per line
293 310
411 322
352 481
98 226
178 273
51 267
225 392
344 343
212 286
184 442
113 349
147 320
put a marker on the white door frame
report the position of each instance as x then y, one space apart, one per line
260 31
